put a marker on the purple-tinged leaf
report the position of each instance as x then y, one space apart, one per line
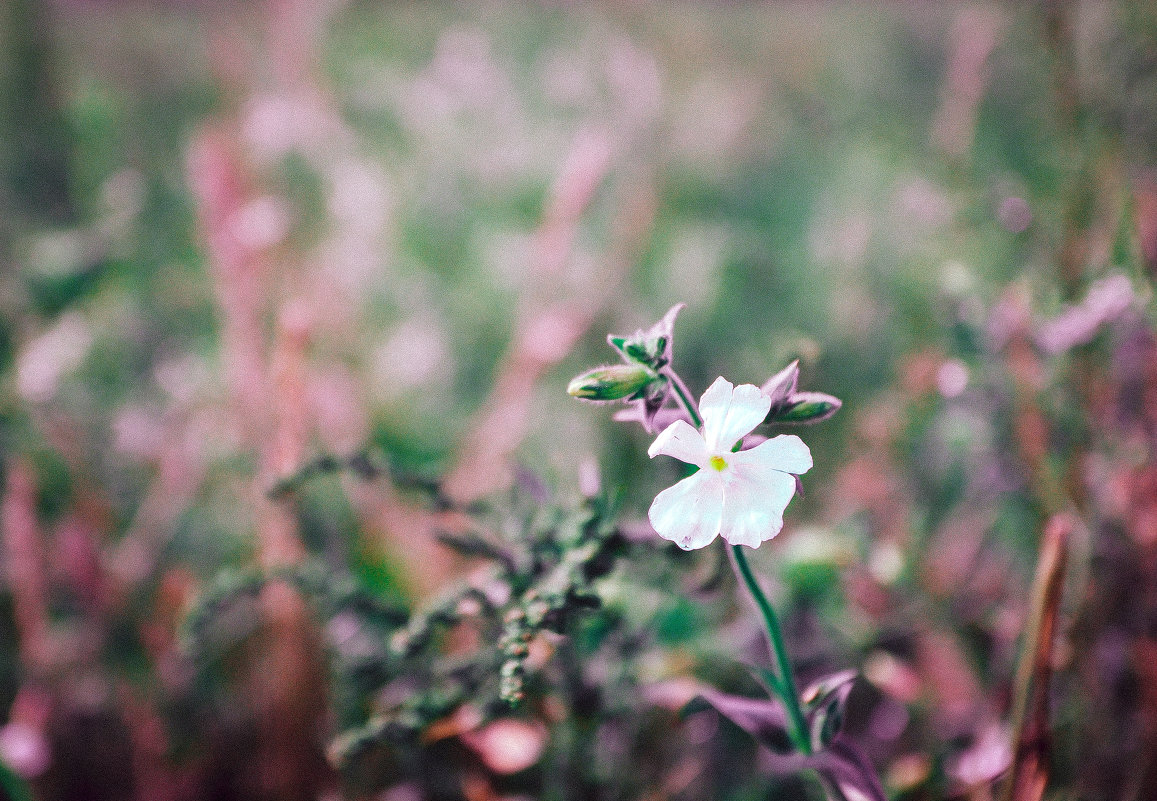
845 771
847 774
764 719
823 706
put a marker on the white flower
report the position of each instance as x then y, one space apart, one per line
739 495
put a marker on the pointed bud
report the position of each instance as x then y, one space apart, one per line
614 382
806 407
782 385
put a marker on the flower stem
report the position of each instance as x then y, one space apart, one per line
684 396
786 689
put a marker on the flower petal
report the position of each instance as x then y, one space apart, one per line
682 441
730 412
786 453
754 500
689 513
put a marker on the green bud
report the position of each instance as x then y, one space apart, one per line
614 382
806 407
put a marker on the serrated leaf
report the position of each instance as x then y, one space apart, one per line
470 543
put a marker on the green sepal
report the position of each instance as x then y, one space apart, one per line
651 348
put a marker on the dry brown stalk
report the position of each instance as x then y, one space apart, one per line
975 34
267 387
180 472
1029 772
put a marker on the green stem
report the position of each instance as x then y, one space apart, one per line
787 689
684 396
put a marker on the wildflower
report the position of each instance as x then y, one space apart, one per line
740 495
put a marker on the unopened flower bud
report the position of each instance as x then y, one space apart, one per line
808 407
614 382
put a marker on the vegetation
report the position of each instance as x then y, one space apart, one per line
295 504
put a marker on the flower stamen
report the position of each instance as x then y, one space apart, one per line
718 462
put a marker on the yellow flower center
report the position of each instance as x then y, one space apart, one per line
718 462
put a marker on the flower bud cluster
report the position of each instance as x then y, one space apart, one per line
640 379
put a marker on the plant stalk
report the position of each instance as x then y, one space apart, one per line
684 397
787 688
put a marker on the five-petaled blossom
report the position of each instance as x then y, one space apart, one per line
740 495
